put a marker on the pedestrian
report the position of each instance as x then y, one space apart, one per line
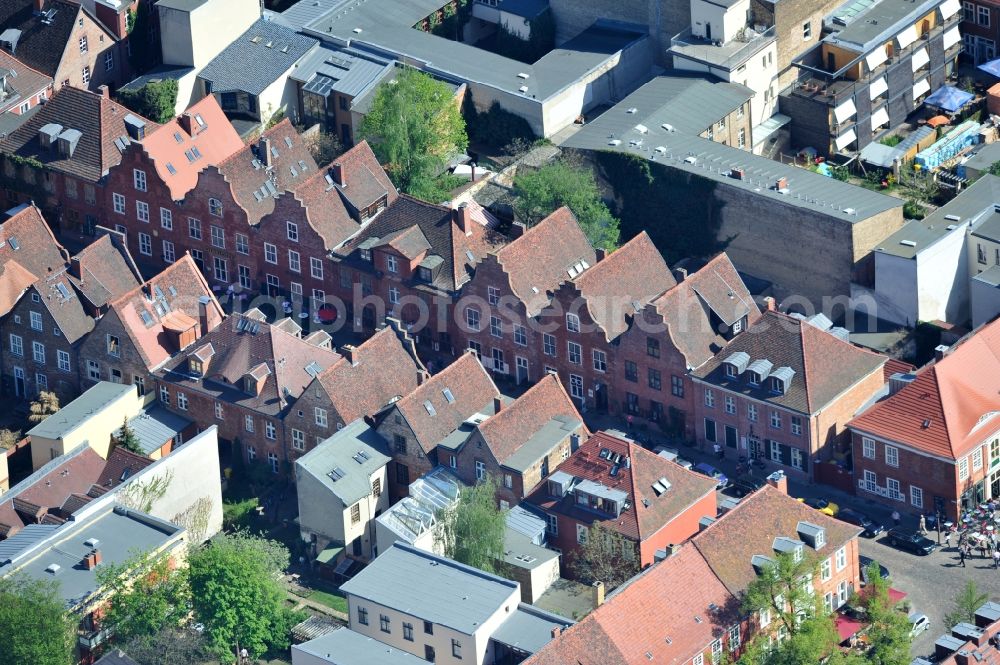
717 449
947 539
961 556
628 419
895 517
996 559
982 547
923 524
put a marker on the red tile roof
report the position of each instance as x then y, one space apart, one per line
172 144
26 82
365 181
122 464
325 210
472 391
623 283
687 309
945 410
896 366
538 261
667 615
649 512
14 281
27 248
511 428
104 271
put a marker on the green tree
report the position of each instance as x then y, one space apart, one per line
169 646
156 100
127 439
415 126
889 628
472 531
9 438
145 594
37 628
605 556
964 605
44 406
539 192
994 169
237 595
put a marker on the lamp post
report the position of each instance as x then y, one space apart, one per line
937 522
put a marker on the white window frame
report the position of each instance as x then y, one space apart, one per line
139 179
841 558
167 219
916 496
320 417
118 203
892 456
572 322
315 267
867 447
62 360
270 253
145 244
294 261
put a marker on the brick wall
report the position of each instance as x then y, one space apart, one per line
99 43
416 462
65 383
679 529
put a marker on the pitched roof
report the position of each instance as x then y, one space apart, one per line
59 296
471 391
508 430
103 271
24 82
122 464
14 281
99 120
362 180
668 614
28 251
823 365
241 346
650 509
623 283
272 49
42 42
729 543
174 294
951 404
253 184
371 375
180 155
344 462
540 259
688 307
325 209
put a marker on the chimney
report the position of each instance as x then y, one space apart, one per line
737 173
350 352
555 631
463 217
208 317
337 173
673 548
516 230
680 274
770 305
265 151
186 122
104 91
97 556
600 253
598 594
779 481
74 267
940 351
497 405
781 183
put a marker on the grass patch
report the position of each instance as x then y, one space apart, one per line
331 600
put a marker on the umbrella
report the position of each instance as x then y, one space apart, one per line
991 67
938 120
949 98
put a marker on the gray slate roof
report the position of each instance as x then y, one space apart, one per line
341 454
705 158
155 426
257 58
75 414
541 442
329 69
432 588
29 536
529 628
346 647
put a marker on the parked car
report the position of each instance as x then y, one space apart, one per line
911 541
710 471
918 623
822 505
851 516
672 455
743 485
684 462
865 563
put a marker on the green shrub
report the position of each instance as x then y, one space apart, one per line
238 514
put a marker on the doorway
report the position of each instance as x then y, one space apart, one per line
19 382
522 370
600 397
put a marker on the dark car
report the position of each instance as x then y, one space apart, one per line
744 485
865 563
871 527
710 471
911 541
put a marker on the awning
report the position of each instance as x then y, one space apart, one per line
847 627
845 139
329 554
878 87
951 37
880 118
844 111
920 58
876 58
949 98
949 8
907 37
921 88
991 67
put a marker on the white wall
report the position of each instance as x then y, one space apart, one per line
985 302
760 75
896 289
216 24
942 278
725 22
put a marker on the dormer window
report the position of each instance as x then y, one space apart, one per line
249 385
366 255
777 385
780 379
194 366
731 371
424 274
391 263
753 378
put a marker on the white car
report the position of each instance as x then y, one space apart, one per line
918 623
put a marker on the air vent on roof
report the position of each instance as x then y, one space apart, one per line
667 126
642 129
632 110
951 227
255 39
448 396
908 243
356 31
53 568
92 542
523 88
615 142
953 218
430 408
690 159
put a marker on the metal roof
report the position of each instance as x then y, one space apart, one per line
338 70
155 426
872 22
76 413
257 58
541 443
346 647
597 489
528 628
990 276
345 462
615 130
29 536
433 588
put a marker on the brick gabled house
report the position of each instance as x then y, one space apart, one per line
686 609
933 444
245 377
364 381
62 155
439 409
784 391
24 88
144 328
28 251
65 41
614 481
50 322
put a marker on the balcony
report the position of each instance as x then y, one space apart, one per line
729 55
